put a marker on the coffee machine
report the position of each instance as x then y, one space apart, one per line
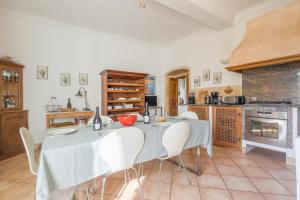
191 98
215 98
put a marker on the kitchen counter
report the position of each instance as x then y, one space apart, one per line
203 104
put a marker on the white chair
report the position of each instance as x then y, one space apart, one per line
28 142
173 141
119 150
105 120
189 115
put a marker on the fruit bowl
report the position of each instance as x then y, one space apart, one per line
127 120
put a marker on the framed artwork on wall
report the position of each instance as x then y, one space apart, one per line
217 77
83 79
65 79
206 74
150 82
197 81
42 72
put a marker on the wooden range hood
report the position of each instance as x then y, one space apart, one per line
270 39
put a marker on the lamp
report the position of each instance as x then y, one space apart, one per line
79 94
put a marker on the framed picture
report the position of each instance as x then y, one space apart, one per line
206 75
197 81
65 79
150 82
42 72
217 77
83 79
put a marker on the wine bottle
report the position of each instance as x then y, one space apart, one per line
97 122
146 114
69 105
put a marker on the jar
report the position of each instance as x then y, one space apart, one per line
4 75
16 76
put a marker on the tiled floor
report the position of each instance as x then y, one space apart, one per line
229 175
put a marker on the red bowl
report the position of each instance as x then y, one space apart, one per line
127 120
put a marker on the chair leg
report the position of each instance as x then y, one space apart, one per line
103 187
125 176
94 185
158 178
181 162
86 191
141 169
138 179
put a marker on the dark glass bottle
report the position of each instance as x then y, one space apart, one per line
146 114
69 105
97 122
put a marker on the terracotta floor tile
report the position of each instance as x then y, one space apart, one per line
244 162
180 192
278 197
269 186
239 183
268 164
256 172
215 194
211 181
282 174
291 186
223 161
230 170
209 169
22 191
166 176
239 195
150 191
180 178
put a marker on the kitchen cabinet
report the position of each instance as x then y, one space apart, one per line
201 110
227 126
10 139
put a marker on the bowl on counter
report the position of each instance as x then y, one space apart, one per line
127 120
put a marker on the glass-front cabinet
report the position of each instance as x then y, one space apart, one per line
11 87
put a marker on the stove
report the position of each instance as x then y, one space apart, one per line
271 102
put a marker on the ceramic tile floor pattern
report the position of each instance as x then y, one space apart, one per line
228 175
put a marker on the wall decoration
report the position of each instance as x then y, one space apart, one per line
42 72
83 79
206 75
217 77
150 82
65 79
197 81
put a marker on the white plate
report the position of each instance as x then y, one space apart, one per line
165 124
61 131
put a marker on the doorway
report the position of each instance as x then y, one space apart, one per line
177 89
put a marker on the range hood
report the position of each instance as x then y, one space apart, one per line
270 39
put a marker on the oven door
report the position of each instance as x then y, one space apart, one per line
267 131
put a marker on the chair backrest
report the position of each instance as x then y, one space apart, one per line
189 115
105 120
175 137
120 148
29 147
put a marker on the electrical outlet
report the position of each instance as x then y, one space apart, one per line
253 98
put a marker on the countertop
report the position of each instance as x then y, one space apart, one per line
250 105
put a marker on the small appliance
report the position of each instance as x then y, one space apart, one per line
191 98
234 100
151 100
208 100
214 96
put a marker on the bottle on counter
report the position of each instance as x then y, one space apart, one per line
69 105
97 122
146 114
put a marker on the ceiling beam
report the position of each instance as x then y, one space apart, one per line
209 13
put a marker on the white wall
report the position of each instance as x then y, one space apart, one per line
65 49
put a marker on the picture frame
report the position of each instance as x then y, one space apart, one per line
217 77
83 79
65 79
197 81
206 75
150 82
42 72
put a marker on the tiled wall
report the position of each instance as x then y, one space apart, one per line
274 83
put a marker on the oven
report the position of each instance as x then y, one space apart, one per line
266 127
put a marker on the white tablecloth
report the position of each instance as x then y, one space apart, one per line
69 160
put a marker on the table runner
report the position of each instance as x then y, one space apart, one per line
69 160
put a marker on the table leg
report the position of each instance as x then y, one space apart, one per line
198 161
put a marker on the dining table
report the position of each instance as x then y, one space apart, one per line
68 160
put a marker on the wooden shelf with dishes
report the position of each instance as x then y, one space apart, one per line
122 92
12 115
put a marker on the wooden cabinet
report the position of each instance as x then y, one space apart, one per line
201 110
227 126
122 92
10 140
12 115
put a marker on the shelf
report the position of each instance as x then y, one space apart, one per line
125 101
125 109
126 84
124 91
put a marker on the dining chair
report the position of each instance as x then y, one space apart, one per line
189 115
119 150
173 140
